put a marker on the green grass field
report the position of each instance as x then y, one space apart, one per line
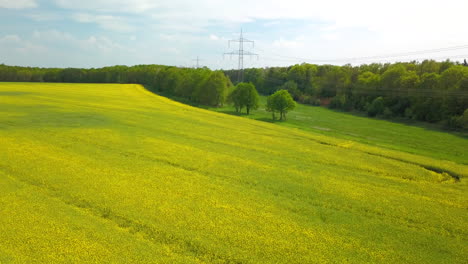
112 173
418 138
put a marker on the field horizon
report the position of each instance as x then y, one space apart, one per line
115 173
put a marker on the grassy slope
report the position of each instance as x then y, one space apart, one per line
113 173
420 138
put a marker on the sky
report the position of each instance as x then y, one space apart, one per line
97 33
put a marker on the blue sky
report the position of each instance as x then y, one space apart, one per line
96 33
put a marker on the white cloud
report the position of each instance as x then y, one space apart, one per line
113 23
10 39
12 46
171 50
121 6
289 44
169 37
91 43
102 44
28 48
330 36
331 29
18 4
397 22
52 36
43 16
54 48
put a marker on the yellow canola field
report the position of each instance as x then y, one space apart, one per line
111 173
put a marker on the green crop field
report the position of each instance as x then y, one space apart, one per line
419 138
111 173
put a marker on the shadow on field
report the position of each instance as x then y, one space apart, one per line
34 116
231 112
14 93
243 114
172 97
269 120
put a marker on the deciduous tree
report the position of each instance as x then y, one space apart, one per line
245 95
281 102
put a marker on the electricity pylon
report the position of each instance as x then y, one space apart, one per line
197 60
241 53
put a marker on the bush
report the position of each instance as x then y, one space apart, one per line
316 102
387 113
463 120
307 99
338 102
409 113
377 107
360 104
453 123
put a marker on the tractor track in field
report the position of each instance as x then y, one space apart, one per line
455 176
150 233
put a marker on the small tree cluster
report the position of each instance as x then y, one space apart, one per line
377 107
429 90
281 102
212 90
245 95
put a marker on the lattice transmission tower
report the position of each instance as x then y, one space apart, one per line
198 62
241 53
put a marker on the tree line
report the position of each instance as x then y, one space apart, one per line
201 86
428 91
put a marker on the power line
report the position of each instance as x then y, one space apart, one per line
394 55
380 91
241 53
459 56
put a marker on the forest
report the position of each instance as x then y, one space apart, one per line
199 86
430 91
